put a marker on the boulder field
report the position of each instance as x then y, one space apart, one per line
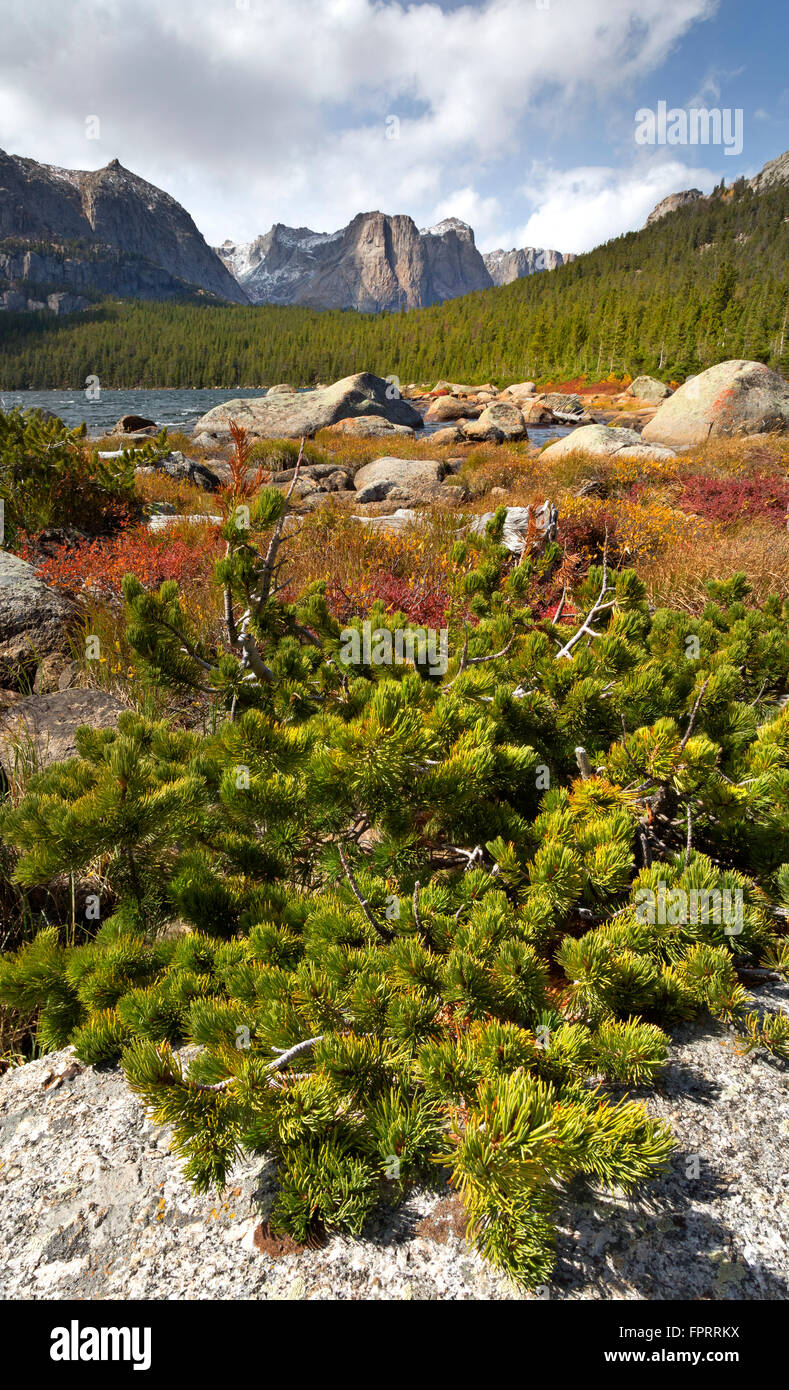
371 407
732 398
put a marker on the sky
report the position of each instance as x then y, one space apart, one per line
518 116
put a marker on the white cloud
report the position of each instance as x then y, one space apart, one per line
710 89
580 208
266 112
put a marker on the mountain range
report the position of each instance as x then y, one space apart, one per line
378 262
69 237
91 233
708 279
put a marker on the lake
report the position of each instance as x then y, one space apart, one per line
178 410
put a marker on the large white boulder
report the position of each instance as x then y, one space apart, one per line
506 417
291 414
606 441
403 480
649 389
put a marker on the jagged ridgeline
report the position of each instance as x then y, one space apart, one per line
708 281
420 924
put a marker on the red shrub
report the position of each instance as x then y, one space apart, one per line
584 533
424 602
736 499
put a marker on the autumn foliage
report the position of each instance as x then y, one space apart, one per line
763 495
98 567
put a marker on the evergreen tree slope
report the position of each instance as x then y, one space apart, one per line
706 283
438 923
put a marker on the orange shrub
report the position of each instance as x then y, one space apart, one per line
98 567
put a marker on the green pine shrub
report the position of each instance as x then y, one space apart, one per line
49 476
430 924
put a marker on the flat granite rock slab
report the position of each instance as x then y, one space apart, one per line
93 1205
47 724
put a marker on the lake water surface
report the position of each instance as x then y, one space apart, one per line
178 410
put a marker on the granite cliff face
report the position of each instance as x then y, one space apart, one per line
376 262
777 171
70 236
506 266
104 231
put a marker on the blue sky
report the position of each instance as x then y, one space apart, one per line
516 115
739 57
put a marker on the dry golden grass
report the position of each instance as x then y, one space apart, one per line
761 453
673 551
187 499
679 574
120 672
16 1032
333 547
350 452
176 439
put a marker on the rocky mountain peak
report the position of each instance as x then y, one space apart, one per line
378 261
775 172
449 224
672 202
506 266
124 235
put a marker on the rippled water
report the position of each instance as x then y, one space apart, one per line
178 410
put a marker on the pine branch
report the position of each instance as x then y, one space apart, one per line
692 719
381 931
276 539
466 660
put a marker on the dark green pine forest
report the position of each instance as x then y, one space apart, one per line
708 282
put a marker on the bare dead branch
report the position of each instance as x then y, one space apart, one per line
284 1058
600 605
689 841
417 919
584 765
